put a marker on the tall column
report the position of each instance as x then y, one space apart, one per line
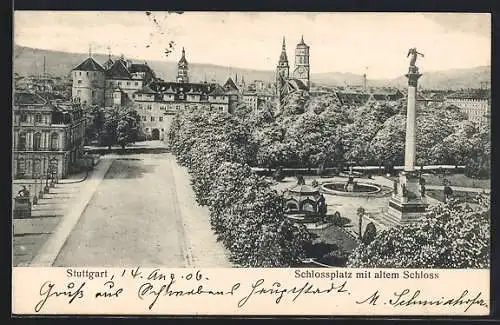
408 203
411 127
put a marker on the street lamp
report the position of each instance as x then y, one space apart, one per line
40 194
46 188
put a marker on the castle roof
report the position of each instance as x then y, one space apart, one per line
146 90
174 87
140 67
118 71
89 65
230 85
218 90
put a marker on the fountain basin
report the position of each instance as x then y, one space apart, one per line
361 189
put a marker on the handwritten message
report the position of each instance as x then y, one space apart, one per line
250 291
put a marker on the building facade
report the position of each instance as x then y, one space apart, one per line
121 82
47 138
476 104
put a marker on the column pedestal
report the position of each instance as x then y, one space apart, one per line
407 204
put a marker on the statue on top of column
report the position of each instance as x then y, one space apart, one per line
414 53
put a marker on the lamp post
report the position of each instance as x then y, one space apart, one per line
46 188
40 194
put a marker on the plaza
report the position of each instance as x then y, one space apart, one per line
142 212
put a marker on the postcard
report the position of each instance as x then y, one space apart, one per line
251 163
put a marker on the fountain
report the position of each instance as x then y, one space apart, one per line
350 187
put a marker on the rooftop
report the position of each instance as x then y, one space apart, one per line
89 65
26 98
471 94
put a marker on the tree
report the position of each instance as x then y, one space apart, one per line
388 144
451 236
122 133
319 104
245 213
370 233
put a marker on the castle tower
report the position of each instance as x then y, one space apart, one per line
283 69
88 82
182 69
302 69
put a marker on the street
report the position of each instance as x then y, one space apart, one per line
143 213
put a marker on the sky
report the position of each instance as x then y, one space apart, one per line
371 43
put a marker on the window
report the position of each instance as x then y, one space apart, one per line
37 167
87 73
38 118
160 118
152 118
136 83
147 129
37 141
54 141
144 118
53 166
93 93
162 130
128 83
24 118
21 167
79 73
149 107
79 81
21 144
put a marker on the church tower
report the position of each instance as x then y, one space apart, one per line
302 68
182 69
282 70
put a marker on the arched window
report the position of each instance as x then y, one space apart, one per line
308 206
37 141
292 206
21 144
53 167
37 167
54 141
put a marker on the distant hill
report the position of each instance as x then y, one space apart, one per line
30 61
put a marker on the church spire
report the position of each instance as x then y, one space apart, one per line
283 58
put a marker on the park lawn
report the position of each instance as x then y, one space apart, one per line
439 195
457 180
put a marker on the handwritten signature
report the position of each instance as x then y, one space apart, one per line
408 298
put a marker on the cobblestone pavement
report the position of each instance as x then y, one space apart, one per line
143 213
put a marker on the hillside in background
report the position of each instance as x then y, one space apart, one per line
30 61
